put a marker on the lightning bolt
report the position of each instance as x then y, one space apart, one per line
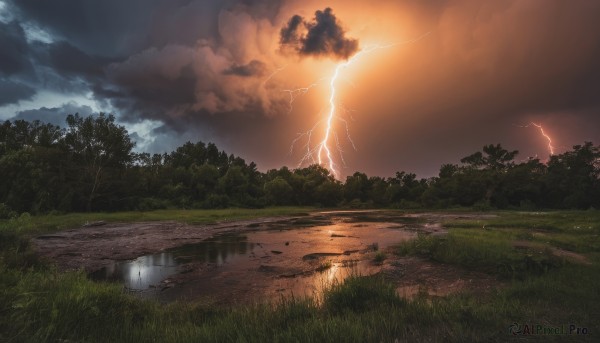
295 93
550 147
544 134
322 153
324 144
275 72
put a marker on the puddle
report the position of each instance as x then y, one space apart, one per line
149 271
260 262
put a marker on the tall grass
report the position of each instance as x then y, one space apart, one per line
66 306
490 252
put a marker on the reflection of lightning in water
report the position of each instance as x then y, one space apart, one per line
544 134
322 153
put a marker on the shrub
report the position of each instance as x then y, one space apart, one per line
360 293
149 204
216 201
379 257
6 212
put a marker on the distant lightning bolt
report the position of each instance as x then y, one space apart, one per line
324 154
544 134
295 93
275 72
550 147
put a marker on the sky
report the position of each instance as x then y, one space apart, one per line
424 82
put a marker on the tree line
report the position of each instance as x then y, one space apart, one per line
91 166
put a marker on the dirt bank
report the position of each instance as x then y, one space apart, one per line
93 247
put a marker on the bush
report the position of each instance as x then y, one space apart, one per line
149 204
216 201
357 204
482 206
251 202
527 205
6 212
406 205
379 257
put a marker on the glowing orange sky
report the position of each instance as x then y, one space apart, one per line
411 86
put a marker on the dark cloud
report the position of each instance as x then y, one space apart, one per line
254 68
98 27
54 115
109 28
14 50
145 65
68 59
289 34
324 36
12 92
151 84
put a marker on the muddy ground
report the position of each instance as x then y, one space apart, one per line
252 260
100 244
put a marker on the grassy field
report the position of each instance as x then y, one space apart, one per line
540 289
50 223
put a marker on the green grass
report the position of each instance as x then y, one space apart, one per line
39 304
490 252
488 244
380 256
48 223
67 306
577 231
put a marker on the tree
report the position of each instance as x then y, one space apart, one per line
235 184
495 158
378 190
188 154
405 186
278 191
205 179
99 148
32 165
483 173
328 193
306 180
573 178
521 185
357 187
448 170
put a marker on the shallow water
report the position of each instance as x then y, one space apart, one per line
280 258
149 270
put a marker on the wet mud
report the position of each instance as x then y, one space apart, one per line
256 260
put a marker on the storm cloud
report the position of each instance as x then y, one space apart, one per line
323 36
254 68
12 92
214 70
54 115
14 51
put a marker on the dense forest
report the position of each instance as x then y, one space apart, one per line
90 166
